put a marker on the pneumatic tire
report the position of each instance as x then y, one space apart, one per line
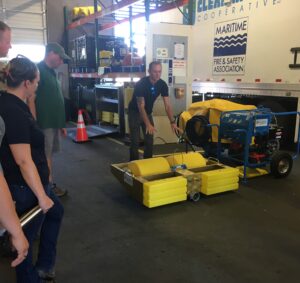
281 164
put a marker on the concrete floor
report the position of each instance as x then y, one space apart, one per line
251 235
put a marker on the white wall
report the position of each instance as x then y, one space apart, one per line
173 16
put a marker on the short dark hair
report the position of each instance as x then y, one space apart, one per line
3 27
153 63
18 70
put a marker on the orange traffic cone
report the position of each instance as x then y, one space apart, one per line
81 135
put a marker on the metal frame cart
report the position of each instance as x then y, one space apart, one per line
253 141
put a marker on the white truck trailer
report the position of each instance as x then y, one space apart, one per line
246 51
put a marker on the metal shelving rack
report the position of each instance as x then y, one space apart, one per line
120 11
108 75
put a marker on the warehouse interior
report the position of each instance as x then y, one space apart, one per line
243 232
250 235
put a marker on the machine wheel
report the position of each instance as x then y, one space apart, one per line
195 196
281 164
197 131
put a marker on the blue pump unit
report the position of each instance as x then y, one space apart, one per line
242 125
253 139
250 138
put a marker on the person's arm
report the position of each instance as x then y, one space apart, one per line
169 112
22 156
141 106
31 105
63 132
11 222
168 108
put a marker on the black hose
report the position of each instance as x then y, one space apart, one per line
197 130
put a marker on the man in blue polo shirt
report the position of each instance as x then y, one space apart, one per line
140 108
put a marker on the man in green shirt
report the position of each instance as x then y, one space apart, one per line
49 108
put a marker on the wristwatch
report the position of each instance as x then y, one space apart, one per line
173 121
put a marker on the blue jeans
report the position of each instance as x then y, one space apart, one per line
49 224
135 123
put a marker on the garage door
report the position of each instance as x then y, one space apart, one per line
27 19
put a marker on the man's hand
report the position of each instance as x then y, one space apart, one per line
21 245
63 132
45 203
175 129
150 130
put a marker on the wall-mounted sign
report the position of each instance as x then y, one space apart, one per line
170 73
167 70
230 44
179 68
179 50
295 65
162 53
210 10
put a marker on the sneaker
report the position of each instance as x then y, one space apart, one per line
46 276
58 191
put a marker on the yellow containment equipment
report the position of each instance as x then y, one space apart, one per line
212 109
147 167
164 191
218 181
190 160
84 11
